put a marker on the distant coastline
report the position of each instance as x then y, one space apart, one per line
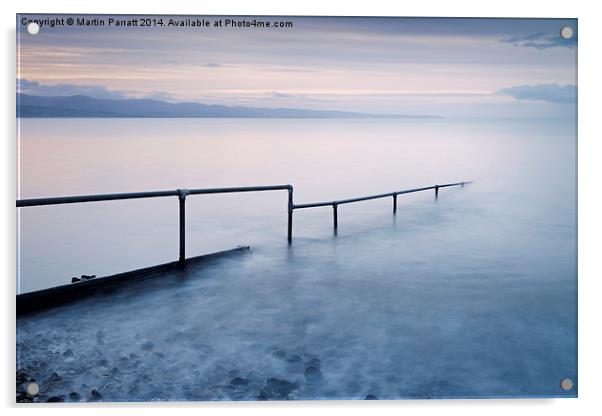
82 106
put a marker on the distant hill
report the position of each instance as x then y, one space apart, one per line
84 106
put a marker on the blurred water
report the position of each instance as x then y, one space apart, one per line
470 295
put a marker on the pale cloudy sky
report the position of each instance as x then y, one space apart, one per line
449 67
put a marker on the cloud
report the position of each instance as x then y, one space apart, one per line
541 40
211 65
26 86
552 93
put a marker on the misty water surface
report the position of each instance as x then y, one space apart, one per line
473 294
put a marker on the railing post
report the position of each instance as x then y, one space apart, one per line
335 217
290 215
394 203
182 199
436 191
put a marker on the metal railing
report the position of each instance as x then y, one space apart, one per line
183 193
180 193
335 204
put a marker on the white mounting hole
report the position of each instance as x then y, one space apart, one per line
32 389
33 28
566 384
566 32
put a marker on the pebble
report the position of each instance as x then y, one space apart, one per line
22 376
313 362
148 345
293 358
302 375
95 394
371 397
55 399
23 397
239 381
313 375
276 388
279 354
54 377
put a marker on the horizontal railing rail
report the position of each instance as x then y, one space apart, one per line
183 193
136 195
378 196
336 203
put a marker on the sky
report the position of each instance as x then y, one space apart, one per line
445 67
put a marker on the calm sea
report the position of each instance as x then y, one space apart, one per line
473 294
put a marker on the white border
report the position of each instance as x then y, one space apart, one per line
590 207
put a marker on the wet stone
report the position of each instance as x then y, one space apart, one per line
313 362
74 396
239 381
279 354
148 345
94 395
22 376
54 377
293 358
23 397
264 394
371 397
277 389
313 375
40 399
55 399
220 371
